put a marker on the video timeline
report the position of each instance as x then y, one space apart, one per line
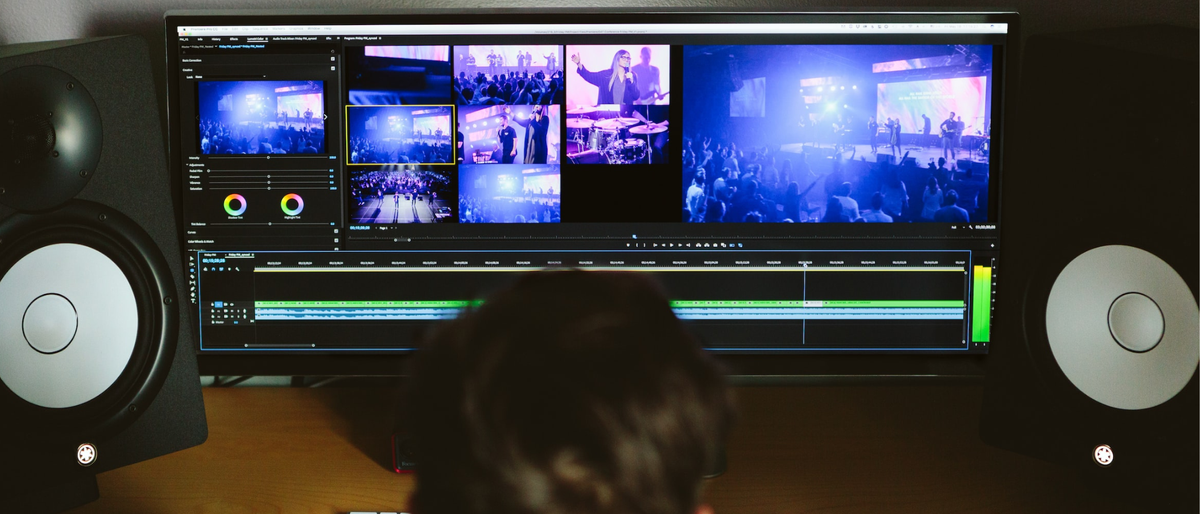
829 301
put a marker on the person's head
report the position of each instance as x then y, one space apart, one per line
950 199
570 391
503 121
843 189
645 55
877 201
621 61
932 184
941 162
751 187
872 120
951 114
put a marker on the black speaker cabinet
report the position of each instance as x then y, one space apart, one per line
1095 362
97 365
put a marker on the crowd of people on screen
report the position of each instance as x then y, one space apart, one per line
525 209
723 183
218 138
509 89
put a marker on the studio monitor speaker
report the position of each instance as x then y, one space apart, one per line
97 365
1094 365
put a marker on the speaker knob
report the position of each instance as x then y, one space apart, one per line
49 323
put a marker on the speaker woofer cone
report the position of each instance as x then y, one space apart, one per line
83 230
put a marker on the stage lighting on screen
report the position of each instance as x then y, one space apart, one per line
907 101
750 101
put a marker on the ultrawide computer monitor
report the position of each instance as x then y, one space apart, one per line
818 193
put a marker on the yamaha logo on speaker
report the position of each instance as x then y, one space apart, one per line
1103 455
86 454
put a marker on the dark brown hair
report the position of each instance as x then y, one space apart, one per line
570 392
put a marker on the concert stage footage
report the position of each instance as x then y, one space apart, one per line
837 133
261 117
391 134
518 134
399 75
614 134
509 193
508 75
395 194
618 75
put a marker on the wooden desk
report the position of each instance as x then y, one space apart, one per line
795 449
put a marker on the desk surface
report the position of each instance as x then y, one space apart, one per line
795 449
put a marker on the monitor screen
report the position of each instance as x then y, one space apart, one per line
809 188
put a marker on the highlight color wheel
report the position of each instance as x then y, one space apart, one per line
283 204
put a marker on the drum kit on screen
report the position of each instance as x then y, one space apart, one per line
609 140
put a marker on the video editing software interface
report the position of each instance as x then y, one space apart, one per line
796 185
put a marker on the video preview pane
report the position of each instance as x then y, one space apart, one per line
618 75
526 134
617 104
402 194
508 75
393 134
261 117
398 75
837 133
509 193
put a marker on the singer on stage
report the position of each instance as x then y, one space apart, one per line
949 138
618 84
536 131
